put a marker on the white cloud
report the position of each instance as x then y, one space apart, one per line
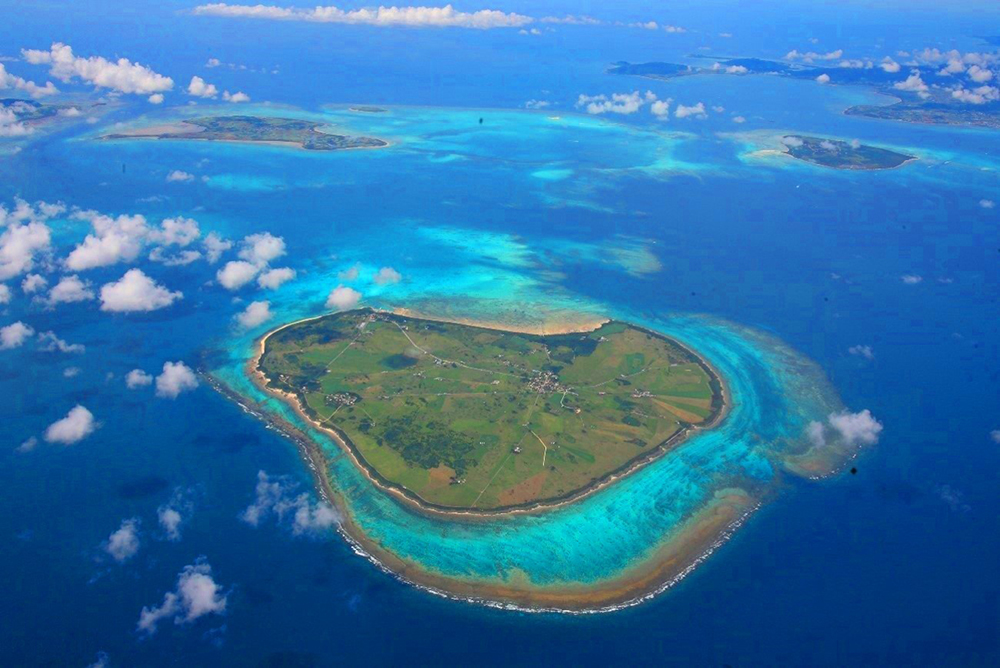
618 103
262 248
122 75
823 78
175 379
51 343
19 243
27 445
5 294
68 290
235 98
156 98
987 203
136 291
137 378
177 232
387 275
980 95
674 29
911 279
661 109
123 543
350 273
72 372
114 240
179 176
694 111
995 435
570 19
10 126
889 65
273 279
979 74
11 82
647 25
170 514
235 274
418 17
276 496
537 104
739 119
845 428
256 313
342 298
810 56
14 335
215 246
791 141
862 351
912 83
197 594
32 283
76 426
200 88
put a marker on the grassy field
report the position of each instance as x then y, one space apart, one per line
464 417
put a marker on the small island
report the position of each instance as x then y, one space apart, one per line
842 155
255 129
367 109
459 418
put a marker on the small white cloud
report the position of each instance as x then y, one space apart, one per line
137 378
273 279
235 98
19 244
995 435
32 283
277 497
14 335
862 351
911 279
693 111
913 83
256 313
27 445
76 426
68 290
739 119
384 17
5 294
123 543
262 248
136 291
987 203
661 109
49 342
617 103
179 176
200 88
387 275
343 298
350 274
823 78
155 98
175 379
674 29
197 594
537 104
72 372
845 428
236 273
215 246
889 65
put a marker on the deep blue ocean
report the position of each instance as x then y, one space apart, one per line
896 564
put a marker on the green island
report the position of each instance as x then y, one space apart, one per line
255 129
842 155
455 417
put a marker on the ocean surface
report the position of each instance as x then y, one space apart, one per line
773 268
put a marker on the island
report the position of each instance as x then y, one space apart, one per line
301 133
367 109
842 155
453 417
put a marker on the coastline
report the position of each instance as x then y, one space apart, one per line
676 556
424 507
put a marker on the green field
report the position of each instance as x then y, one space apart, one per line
465 417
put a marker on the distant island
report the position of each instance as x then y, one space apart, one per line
254 129
458 418
933 104
363 109
842 155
